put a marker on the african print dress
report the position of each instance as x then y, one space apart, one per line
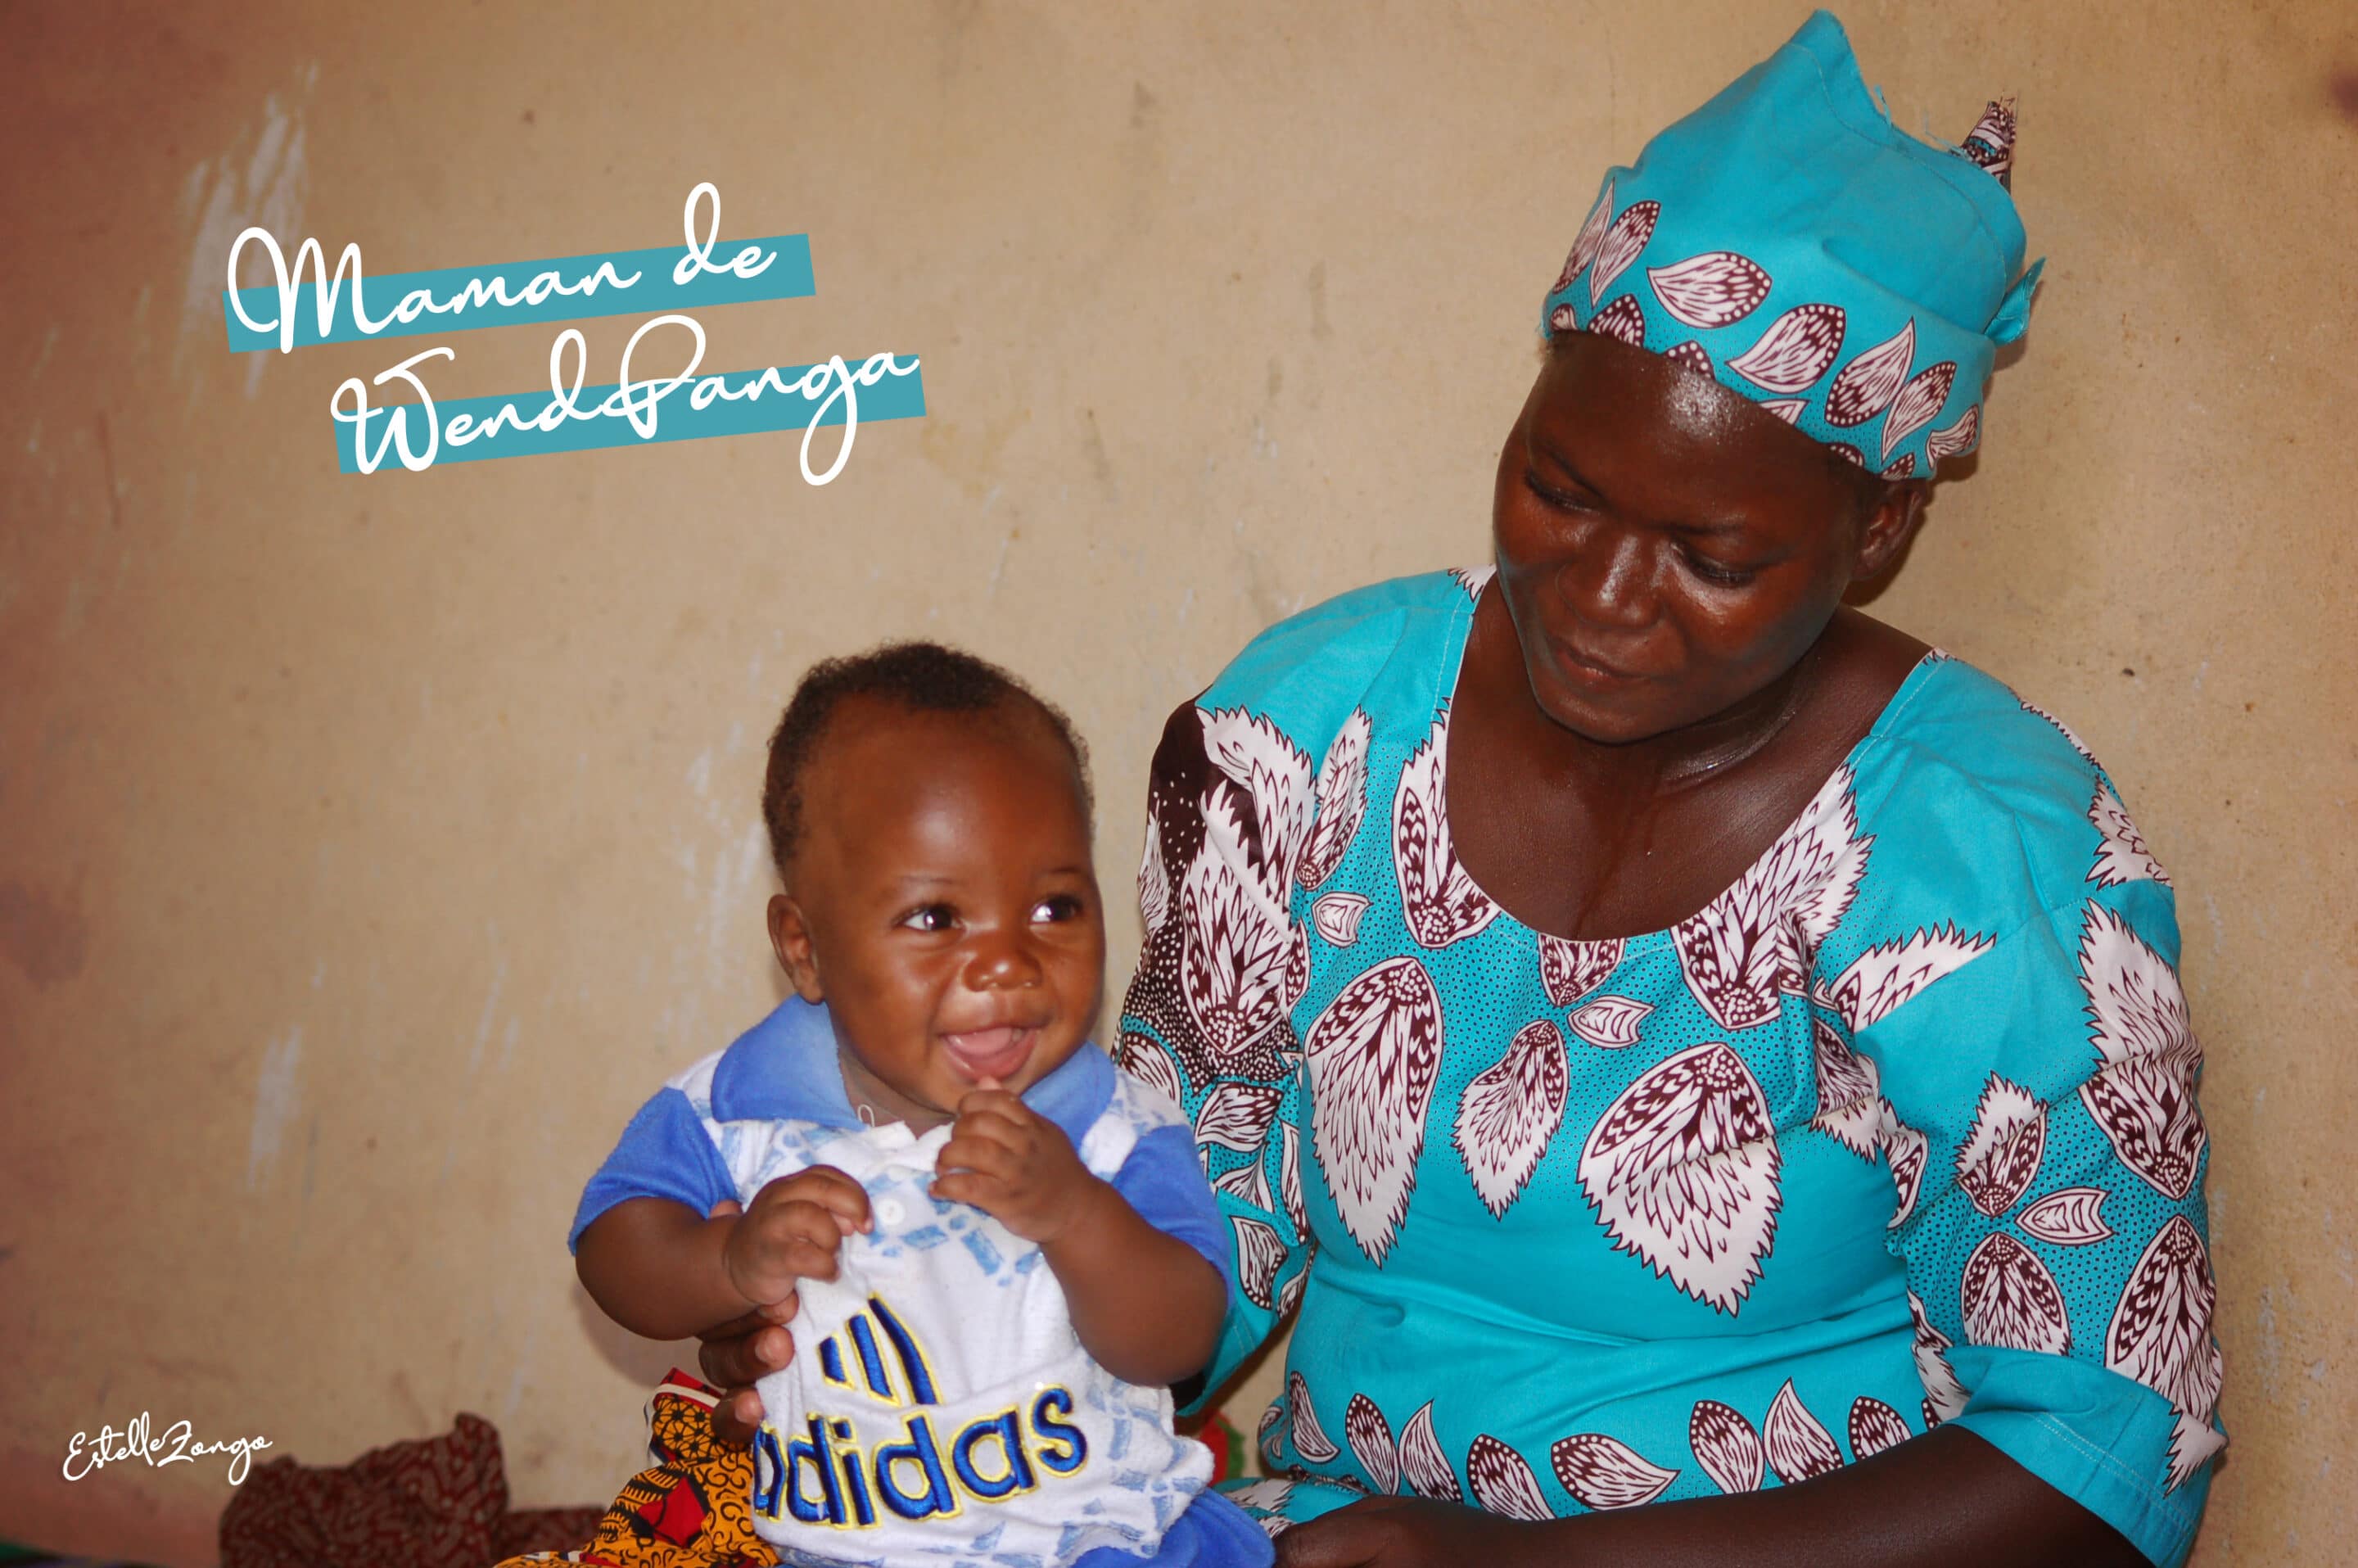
1899 1130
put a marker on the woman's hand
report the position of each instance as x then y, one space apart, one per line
740 1353
1414 1532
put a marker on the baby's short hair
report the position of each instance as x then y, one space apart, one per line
923 678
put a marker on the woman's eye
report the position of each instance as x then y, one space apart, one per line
1064 906
1561 499
932 917
1712 571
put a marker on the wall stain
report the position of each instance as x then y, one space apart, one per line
47 940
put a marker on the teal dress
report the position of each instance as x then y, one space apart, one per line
1900 1129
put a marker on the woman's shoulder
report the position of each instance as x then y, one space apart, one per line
1978 787
1306 673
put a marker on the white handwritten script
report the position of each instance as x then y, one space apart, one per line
140 1440
639 402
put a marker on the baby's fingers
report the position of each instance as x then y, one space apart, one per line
974 1151
827 1188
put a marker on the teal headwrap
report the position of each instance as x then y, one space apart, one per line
1791 243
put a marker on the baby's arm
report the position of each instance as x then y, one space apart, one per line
663 1270
1146 1305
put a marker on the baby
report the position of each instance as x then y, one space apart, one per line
998 1252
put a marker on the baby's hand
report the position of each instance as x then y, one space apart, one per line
791 1230
1014 1165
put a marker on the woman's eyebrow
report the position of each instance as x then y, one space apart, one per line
1715 527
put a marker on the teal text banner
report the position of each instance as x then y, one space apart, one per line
808 398
463 298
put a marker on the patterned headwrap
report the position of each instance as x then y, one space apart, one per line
1791 243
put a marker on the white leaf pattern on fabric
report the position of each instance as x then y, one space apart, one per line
1296 982
1715 289
1373 1057
1439 901
1624 320
1944 1397
1336 916
1591 235
1274 774
1917 402
1955 440
2121 856
1371 1437
1796 350
1908 1149
1999 1158
1570 970
1259 1253
1503 1482
2011 1301
1267 1499
2142 1096
1289 1179
1726 1447
1341 801
1424 1468
1874 1427
1145 1060
1799 1444
1153 880
1868 384
1682 1169
2072 1216
1610 1023
1749 946
1310 1440
1621 245
1235 955
1605 1473
1236 1115
1850 1106
1247 1183
1788 409
1473 580
2160 1335
1888 973
1508 1113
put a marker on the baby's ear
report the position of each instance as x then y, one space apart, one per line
790 939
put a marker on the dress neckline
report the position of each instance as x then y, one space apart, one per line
1461 630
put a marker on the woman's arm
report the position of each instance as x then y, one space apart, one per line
1943 1499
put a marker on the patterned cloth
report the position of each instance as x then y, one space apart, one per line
1786 228
691 1508
1899 1130
441 1502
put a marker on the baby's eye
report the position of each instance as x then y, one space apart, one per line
1054 910
932 917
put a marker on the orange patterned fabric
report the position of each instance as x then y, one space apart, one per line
691 1509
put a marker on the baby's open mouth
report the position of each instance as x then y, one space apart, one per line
998 1053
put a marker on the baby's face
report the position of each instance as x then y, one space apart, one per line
944 903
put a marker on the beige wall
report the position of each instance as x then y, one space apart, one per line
369 848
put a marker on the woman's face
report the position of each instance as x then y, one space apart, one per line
1666 548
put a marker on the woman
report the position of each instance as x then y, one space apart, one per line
1675 1040
1672 1034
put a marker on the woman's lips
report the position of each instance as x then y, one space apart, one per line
1589 670
997 1053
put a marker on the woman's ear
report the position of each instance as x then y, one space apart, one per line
1884 536
790 939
